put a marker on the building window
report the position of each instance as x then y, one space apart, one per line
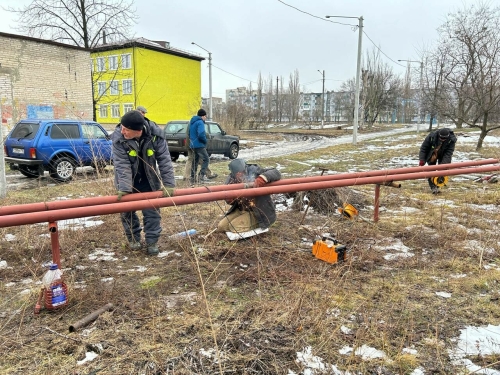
101 88
113 88
127 86
115 110
126 61
128 107
113 62
103 111
101 64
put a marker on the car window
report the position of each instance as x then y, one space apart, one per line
92 131
65 131
176 127
214 129
25 130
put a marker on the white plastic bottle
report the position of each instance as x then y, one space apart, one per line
52 280
189 232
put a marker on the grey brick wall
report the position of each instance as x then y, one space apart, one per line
43 79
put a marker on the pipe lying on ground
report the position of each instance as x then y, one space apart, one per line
71 213
90 318
97 201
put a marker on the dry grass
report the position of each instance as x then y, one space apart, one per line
212 306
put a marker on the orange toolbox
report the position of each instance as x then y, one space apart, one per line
329 250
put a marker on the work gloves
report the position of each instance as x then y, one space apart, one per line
259 181
421 163
121 194
168 191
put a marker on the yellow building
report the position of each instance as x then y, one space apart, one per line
165 80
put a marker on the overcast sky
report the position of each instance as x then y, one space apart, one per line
251 36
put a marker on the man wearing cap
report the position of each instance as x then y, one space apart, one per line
142 110
142 163
437 147
246 214
198 143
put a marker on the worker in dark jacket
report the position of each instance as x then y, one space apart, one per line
142 163
437 147
247 214
198 143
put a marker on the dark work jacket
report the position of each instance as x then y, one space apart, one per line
151 151
445 151
262 206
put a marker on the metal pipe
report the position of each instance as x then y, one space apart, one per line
376 204
54 241
98 201
70 213
90 317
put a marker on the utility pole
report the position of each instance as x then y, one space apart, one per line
209 79
323 100
358 70
277 113
420 110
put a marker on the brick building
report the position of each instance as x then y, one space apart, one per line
43 79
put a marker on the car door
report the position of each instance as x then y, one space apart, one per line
211 145
96 144
62 137
217 138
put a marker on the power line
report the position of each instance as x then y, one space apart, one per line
340 23
225 71
312 15
382 52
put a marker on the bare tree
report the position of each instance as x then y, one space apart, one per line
83 23
472 68
294 95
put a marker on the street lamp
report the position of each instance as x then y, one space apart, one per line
209 78
358 72
421 90
322 100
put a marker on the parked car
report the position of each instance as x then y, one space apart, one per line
218 142
58 146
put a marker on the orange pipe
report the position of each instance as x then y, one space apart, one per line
98 201
70 213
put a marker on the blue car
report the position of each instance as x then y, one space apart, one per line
58 146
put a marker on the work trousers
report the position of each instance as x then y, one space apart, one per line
200 154
189 166
238 221
152 225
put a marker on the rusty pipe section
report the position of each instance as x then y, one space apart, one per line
90 318
98 201
70 213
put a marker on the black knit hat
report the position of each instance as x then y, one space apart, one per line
202 112
444 133
133 120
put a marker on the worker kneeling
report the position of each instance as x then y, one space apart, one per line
252 214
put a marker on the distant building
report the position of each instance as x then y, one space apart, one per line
43 79
165 80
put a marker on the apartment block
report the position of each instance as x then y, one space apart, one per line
165 80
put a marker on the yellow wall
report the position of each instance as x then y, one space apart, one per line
168 86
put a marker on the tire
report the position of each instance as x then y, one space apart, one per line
62 169
174 156
29 171
234 149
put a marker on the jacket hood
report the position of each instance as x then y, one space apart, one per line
194 119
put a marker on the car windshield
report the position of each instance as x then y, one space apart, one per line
176 127
25 130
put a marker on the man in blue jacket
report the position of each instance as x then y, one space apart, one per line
142 163
198 143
